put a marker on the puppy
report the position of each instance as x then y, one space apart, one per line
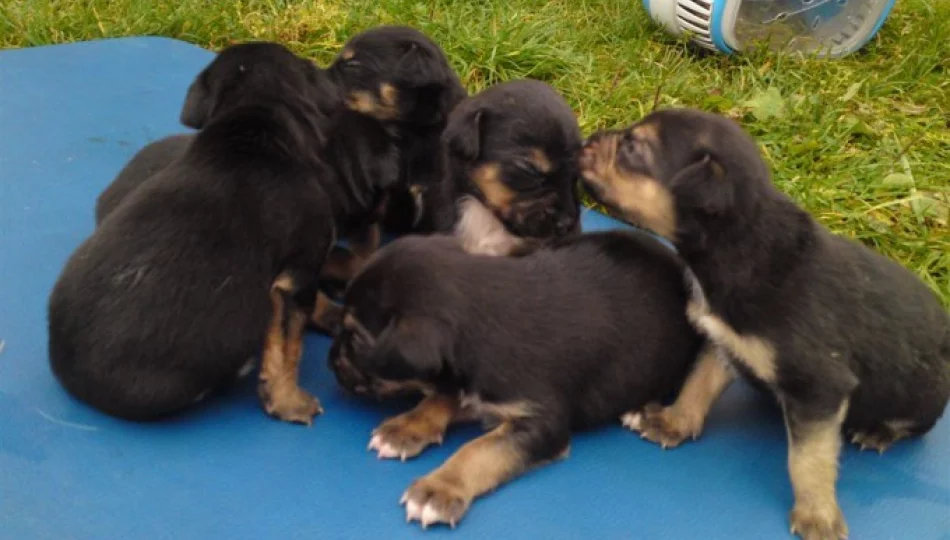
536 346
215 258
402 78
154 157
843 337
513 147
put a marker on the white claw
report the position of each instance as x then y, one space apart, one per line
429 516
374 442
402 456
632 421
386 451
413 511
404 498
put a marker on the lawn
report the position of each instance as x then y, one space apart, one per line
863 143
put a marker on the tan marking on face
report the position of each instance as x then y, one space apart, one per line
540 160
480 466
408 434
347 54
488 179
640 198
813 453
364 102
649 131
388 94
278 386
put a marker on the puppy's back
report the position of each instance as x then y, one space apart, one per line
148 161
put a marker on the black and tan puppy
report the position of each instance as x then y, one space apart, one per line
213 260
513 147
845 338
148 161
402 78
537 346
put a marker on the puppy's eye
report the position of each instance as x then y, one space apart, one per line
353 65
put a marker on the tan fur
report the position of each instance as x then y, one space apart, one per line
473 407
326 313
278 388
347 54
365 103
488 179
684 419
813 468
480 466
541 160
408 434
755 353
388 95
480 231
639 197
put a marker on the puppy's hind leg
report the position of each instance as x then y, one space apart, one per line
670 426
278 387
882 436
482 465
814 445
408 434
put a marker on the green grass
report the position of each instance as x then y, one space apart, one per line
863 142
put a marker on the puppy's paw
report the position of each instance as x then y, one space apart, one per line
812 522
404 436
290 404
434 499
879 439
662 425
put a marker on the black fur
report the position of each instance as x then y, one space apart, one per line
845 320
427 89
169 298
154 157
503 126
582 333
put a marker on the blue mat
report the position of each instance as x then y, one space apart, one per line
70 117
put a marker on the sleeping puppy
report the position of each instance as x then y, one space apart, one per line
402 78
215 259
513 147
154 157
843 337
489 338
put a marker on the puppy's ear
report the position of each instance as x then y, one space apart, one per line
199 102
463 134
705 182
411 348
418 67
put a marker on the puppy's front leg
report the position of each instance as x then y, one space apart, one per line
278 387
445 494
408 434
327 315
670 426
343 264
814 443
